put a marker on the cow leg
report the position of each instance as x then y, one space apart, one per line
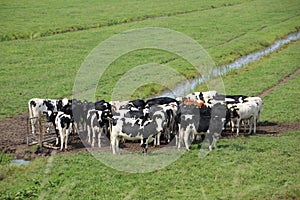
48 128
238 124
254 124
99 137
209 137
180 138
62 138
113 142
177 137
89 139
186 139
117 145
75 127
57 136
232 126
93 135
66 139
33 122
167 134
250 124
144 146
157 138
214 142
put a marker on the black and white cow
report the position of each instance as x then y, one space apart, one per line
136 129
98 125
202 96
192 120
160 101
98 122
228 100
137 104
37 105
231 99
216 123
168 112
63 124
198 120
133 105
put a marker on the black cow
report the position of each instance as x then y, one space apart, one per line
160 101
216 124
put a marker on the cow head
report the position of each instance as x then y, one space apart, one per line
233 111
104 116
50 115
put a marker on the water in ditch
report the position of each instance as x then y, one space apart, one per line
183 88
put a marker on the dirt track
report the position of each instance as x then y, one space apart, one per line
13 132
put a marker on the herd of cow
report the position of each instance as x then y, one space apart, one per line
200 113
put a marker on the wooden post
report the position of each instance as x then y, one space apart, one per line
40 130
28 130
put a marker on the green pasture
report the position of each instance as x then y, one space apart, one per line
46 67
43 18
261 166
258 167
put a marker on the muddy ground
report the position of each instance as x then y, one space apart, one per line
13 133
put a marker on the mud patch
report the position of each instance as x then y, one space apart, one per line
13 138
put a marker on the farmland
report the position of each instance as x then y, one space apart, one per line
42 48
47 66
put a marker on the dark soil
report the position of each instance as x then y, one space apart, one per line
13 134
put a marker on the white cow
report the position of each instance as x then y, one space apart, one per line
247 111
259 103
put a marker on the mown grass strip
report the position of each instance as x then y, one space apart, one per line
39 19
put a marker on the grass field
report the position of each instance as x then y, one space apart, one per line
55 17
256 167
46 67
260 167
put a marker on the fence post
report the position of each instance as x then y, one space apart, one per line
40 130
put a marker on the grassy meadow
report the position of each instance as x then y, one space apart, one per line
46 67
43 45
